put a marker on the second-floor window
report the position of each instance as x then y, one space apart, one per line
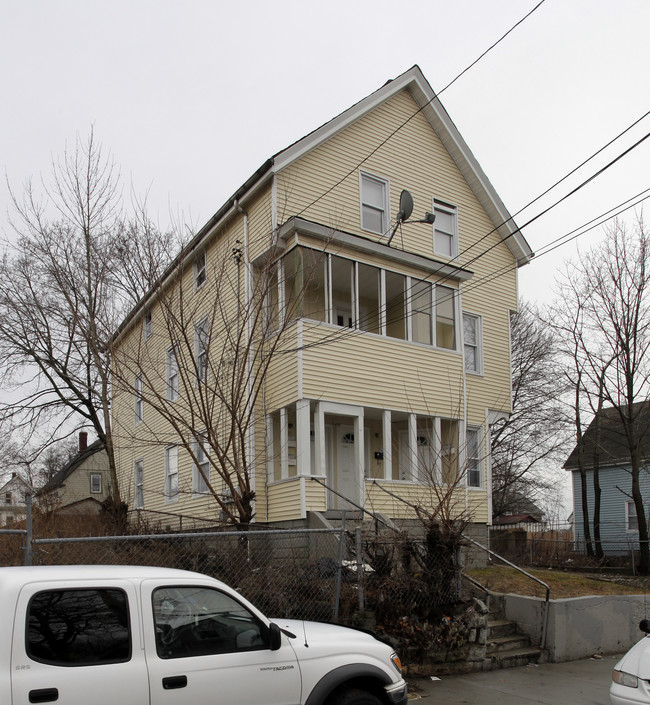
472 342
171 374
201 345
201 474
95 482
342 292
138 403
374 203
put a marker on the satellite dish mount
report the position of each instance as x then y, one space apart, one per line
405 211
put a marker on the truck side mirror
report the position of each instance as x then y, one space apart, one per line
275 636
644 625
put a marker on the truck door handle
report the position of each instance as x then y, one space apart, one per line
174 682
43 695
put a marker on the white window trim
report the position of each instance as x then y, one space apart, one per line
138 464
169 497
479 341
95 476
138 402
197 479
200 269
629 503
384 183
479 445
451 210
171 363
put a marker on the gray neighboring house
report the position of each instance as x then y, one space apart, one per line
82 484
618 521
12 500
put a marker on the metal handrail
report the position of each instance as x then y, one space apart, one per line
528 575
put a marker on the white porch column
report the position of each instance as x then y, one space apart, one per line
387 444
303 438
319 440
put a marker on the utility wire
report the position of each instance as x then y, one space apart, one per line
417 112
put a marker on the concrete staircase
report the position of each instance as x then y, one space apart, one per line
506 645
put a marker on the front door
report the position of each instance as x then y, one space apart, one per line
346 471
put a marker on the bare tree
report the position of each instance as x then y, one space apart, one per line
63 290
200 378
530 440
604 310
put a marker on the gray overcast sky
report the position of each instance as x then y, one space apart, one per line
191 97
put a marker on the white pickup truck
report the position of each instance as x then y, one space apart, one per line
101 635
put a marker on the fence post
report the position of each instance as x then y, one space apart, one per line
339 571
360 575
28 527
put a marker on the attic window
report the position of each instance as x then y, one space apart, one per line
147 324
200 274
374 203
95 483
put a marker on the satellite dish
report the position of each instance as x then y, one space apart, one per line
405 206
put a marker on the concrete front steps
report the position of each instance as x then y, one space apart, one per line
506 646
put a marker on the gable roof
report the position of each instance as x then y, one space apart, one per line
429 104
610 442
62 475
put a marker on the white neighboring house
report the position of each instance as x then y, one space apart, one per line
82 484
12 500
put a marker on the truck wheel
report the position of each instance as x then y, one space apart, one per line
354 696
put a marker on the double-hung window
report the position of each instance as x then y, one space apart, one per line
201 345
201 469
95 482
147 324
138 484
445 233
631 519
138 403
374 203
472 457
171 473
421 312
472 342
171 374
200 270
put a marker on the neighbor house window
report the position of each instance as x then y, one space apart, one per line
445 241
631 519
445 318
201 343
374 203
171 473
201 469
472 457
421 312
138 403
138 484
95 482
171 374
471 342
200 272
147 324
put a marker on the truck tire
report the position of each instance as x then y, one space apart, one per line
354 696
